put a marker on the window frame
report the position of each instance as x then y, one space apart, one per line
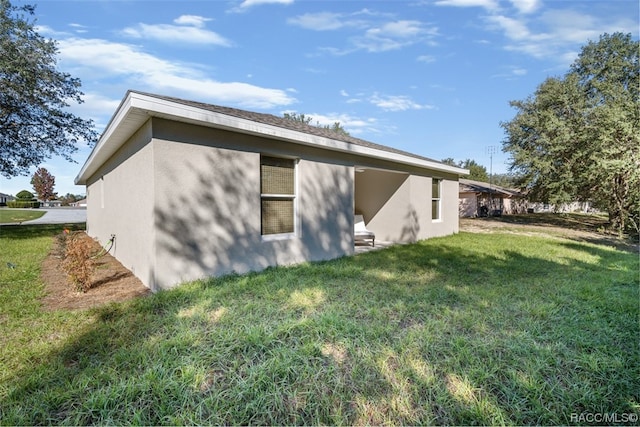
438 200
271 196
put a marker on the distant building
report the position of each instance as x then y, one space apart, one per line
484 199
50 203
4 198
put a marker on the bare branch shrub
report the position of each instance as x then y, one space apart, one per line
78 261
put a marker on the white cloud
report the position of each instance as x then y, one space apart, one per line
394 35
193 20
397 103
511 73
487 4
108 61
45 30
97 106
402 29
247 4
79 28
426 58
380 33
526 6
189 31
323 21
555 33
514 29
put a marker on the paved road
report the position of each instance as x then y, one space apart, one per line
61 216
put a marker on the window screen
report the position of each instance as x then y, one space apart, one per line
277 188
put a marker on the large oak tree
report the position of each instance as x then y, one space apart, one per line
578 136
34 95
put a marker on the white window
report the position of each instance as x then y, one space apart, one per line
277 195
436 185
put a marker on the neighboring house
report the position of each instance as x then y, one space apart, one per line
50 203
4 198
192 190
79 203
484 199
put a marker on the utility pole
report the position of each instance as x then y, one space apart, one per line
491 150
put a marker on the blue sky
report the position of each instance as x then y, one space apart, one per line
432 77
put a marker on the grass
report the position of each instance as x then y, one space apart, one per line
466 329
8 216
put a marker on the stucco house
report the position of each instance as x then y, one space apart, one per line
479 198
192 190
4 198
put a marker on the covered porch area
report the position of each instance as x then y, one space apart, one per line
398 205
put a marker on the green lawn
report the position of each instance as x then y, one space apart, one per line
466 329
18 215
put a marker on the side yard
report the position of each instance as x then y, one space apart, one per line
502 327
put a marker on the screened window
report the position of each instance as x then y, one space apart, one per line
277 195
435 198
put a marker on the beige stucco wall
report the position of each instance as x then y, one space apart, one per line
448 224
120 201
184 203
207 215
468 205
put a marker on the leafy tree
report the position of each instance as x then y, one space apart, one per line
25 195
43 183
69 198
507 180
578 136
477 172
33 97
302 118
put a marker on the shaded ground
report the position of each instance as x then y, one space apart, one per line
112 282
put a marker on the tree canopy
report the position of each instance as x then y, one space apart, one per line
578 136
25 195
477 172
43 183
34 95
302 118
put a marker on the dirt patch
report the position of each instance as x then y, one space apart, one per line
112 282
590 229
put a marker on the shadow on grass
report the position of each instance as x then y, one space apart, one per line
583 222
448 331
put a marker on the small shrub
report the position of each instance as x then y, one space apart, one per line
22 204
60 245
78 261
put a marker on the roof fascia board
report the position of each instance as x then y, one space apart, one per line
99 149
172 110
220 120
